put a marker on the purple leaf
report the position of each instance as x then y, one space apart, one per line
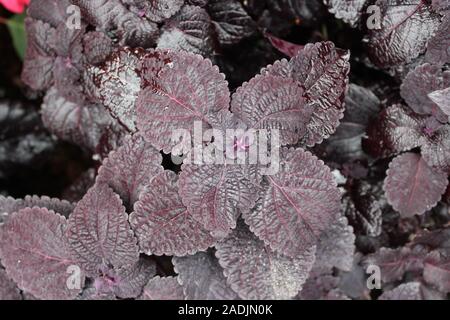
361 107
268 102
441 5
217 194
394 263
97 47
363 208
288 48
85 125
37 70
436 149
8 289
354 283
419 83
437 271
91 293
410 291
298 204
256 272
99 233
50 11
200 3
126 281
438 50
166 288
117 84
130 168
348 10
10 205
163 225
202 278
187 90
411 186
336 247
112 15
318 286
397 129
442 99
36 254
231 21
322 70
190 30
406 28
155 10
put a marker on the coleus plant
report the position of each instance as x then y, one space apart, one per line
129 75
399 33
64 42
279 227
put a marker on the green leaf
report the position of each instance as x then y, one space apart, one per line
16 28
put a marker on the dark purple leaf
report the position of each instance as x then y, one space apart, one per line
441 5
36 254
280 68
435 239
99 233
97 47
166 288
187 90
361 107
318 286
231 21
268 102
67 81
37 70
436 149
406 28
442 99
288 48
91 293
354 283
50 11
419 83
410 291
348 10
336 247
117 84
155 10
363 208
397 129
256 272
200 3
126 281
322 70
190 30
411 186
299 203
163 225
202 278
217 194
394 263
437 271
8 289
130 168
85 125
10 205
112 15
438 50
